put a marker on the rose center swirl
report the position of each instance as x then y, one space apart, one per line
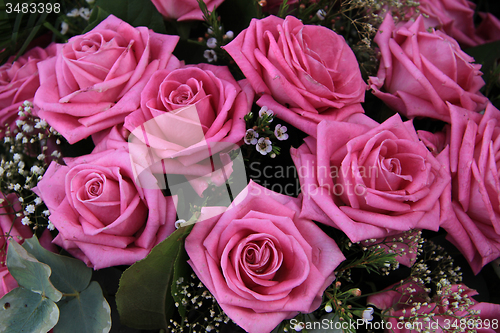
261 257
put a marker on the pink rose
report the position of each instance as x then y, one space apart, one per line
398 301
184 10
370 180
260 260
11 226
306 73
185 115
102 217
456 19
420 71
96 78
18 83
473 222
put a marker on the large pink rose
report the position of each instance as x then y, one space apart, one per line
370 180
18 83
306 73
96 78
262 262
473 224
184 10
10 226
185 116
420 71
398 304
102 217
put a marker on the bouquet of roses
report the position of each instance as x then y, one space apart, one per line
259 166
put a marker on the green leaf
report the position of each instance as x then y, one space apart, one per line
69 275
136 12
88 313
486 55
144 298
24 311
30 273
181 270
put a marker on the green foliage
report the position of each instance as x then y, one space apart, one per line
488 55
69 275
80 307
30 273
87 313
24 311
144 297
135 12
18 29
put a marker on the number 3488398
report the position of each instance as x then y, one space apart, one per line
32 8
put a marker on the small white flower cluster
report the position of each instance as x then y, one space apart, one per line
439 306
195 296
212 43
264 144
20 171
82 12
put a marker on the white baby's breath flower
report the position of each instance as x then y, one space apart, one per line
73 13
50 226
321 14
36 170
27 128
25 220
38 201
64 28
16 157
30 209
85 13
46 212
41 124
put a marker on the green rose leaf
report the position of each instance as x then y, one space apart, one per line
69 275
30 273
87 313
24 311
144 297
